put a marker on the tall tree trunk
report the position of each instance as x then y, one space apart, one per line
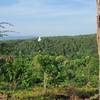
98 42
45 82
98 37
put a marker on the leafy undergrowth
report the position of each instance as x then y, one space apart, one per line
53 93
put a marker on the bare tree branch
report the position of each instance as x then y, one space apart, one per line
6 23
2 26
4 29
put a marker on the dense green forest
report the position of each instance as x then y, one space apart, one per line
63 65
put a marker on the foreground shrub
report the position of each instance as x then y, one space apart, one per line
86 92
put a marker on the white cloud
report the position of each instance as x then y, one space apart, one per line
38 8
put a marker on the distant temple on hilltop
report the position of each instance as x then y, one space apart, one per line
39 39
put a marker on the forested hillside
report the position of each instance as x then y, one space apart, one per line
55 63
69 46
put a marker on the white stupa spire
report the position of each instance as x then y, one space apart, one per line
39 39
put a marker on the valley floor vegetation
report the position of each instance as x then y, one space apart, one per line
57 68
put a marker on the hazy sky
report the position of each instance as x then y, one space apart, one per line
50 17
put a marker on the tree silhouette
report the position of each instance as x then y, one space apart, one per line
3 28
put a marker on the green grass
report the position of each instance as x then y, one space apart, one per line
53 92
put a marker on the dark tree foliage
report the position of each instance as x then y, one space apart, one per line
55 61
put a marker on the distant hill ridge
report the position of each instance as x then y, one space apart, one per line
69 46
